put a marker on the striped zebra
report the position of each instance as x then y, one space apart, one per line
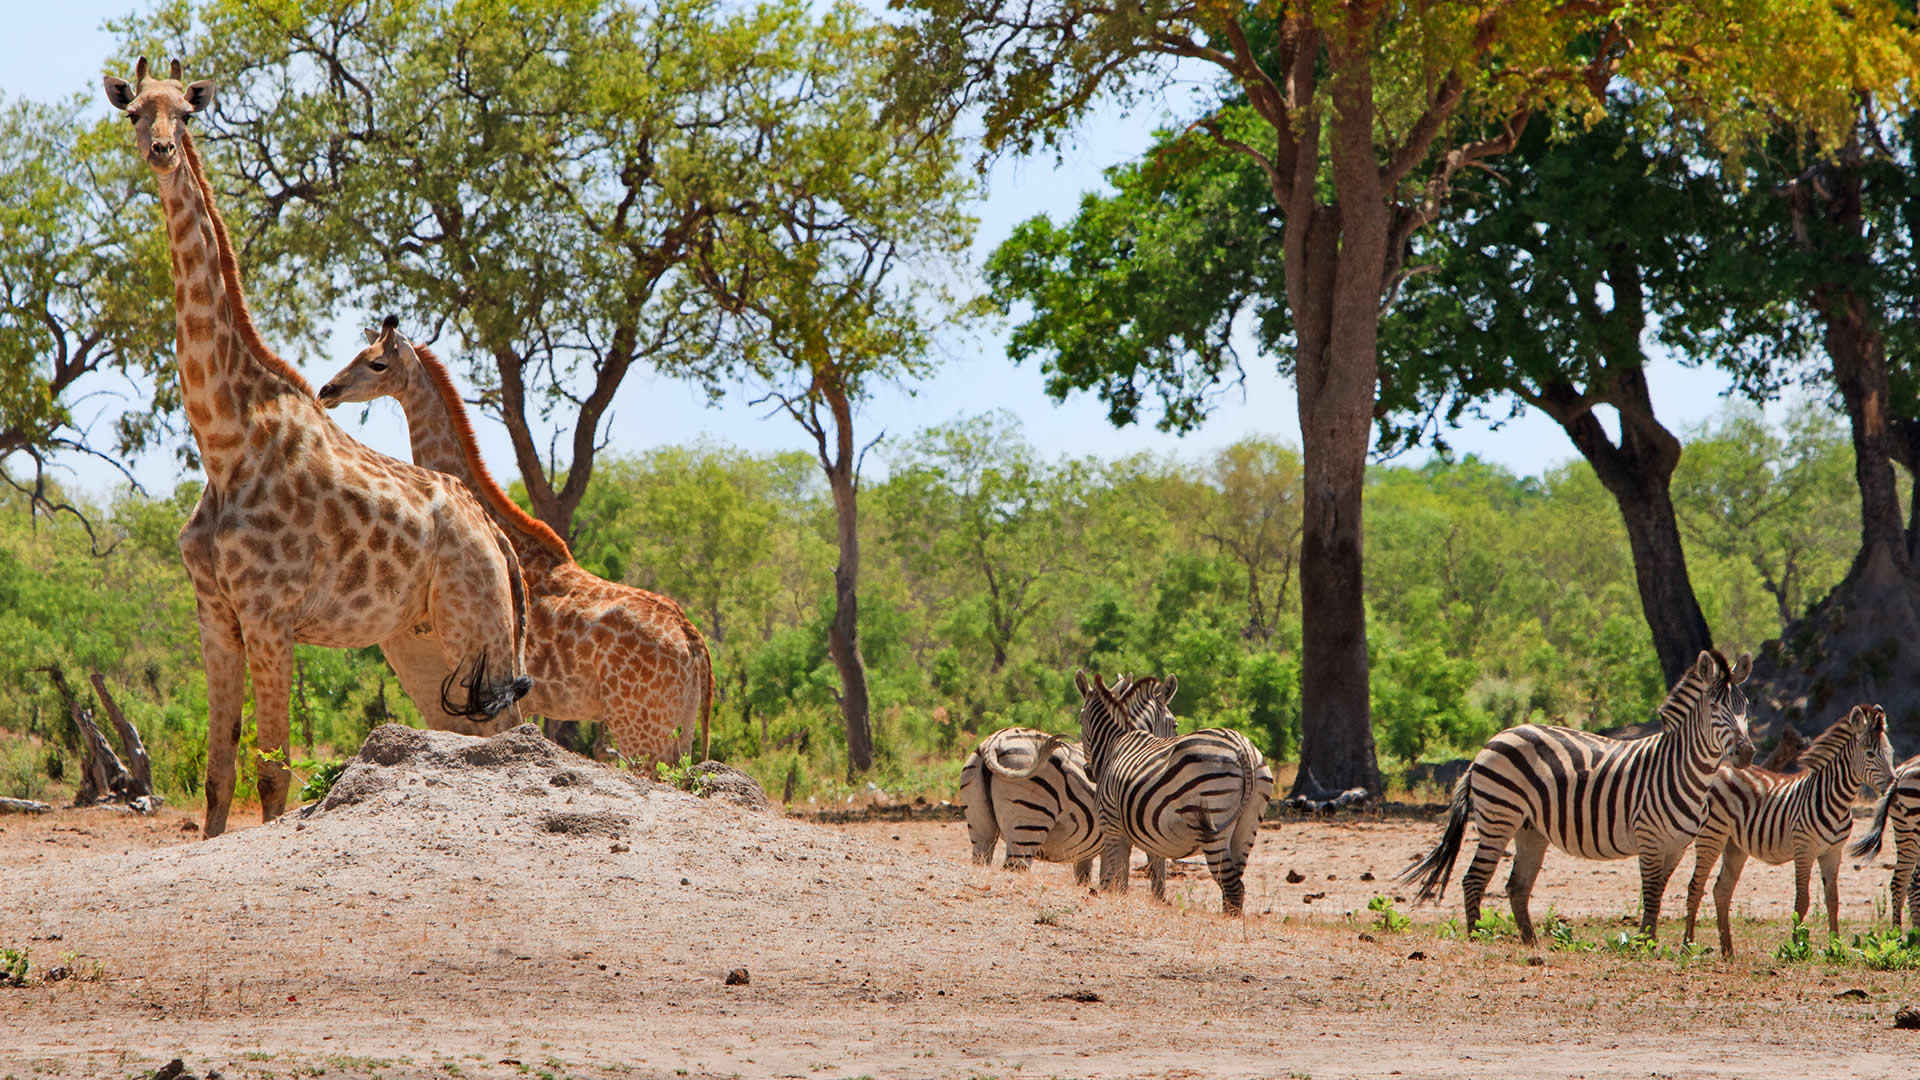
1900 804
1032 788
1803 818
1170 796
1593 797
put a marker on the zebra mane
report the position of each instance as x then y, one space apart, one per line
1828 746
1694 687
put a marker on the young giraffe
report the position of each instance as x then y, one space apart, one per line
598 651
302 534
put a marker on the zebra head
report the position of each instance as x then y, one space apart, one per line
1108 712
1727 706
1873 739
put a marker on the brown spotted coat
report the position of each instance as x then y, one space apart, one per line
302 534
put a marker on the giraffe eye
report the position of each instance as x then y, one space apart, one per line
378 365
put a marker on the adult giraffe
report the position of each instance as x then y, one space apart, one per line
598 650
302 534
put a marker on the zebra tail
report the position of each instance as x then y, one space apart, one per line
1869 842
1245 751
1433 871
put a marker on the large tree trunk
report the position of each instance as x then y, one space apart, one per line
1854 645
1336 273
843 633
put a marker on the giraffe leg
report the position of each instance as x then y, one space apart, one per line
225 660
1830 885
1529 849
270 661
1732 860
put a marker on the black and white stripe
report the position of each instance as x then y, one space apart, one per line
1900 804
1592 796
1803 818
1032 789
1170 797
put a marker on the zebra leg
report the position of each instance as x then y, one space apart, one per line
1706 852
1656 866
1473 884
1157 871
1802 884
1732 860
1905 855
975 795
1227 858
1082 871
1830 884
1115 854
1529 848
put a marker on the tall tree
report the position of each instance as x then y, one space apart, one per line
973 498
83 296
1545 289
828 278
532 176
1360 116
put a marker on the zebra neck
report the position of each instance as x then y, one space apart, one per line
1689 741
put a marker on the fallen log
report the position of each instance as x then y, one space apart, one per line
23 806
139 766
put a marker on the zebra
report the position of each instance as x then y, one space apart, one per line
1033 789
1899 803
1593 797
1804 817
1170 796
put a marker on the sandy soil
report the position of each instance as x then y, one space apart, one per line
500 909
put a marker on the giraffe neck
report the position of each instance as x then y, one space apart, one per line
224 388
435 421
430 428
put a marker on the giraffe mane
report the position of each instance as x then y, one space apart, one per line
483 482
1827 746
230 274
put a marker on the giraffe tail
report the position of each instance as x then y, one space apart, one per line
486 698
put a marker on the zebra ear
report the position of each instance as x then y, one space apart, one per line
1742 668
1169 686
1708 665
1857 717
1080 682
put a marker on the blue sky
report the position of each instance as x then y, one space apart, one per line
51 50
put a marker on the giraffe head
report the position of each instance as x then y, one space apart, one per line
158 109
382 369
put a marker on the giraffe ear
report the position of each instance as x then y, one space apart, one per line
119 92
372 335
200 95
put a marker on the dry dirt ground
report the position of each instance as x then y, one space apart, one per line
499 909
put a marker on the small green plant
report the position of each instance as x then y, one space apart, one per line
1449 930
13 967
681 774
1686 952
1633 944
1837 952
1494 927
1561 936
1798 948
1889 950
1385 917
320 777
